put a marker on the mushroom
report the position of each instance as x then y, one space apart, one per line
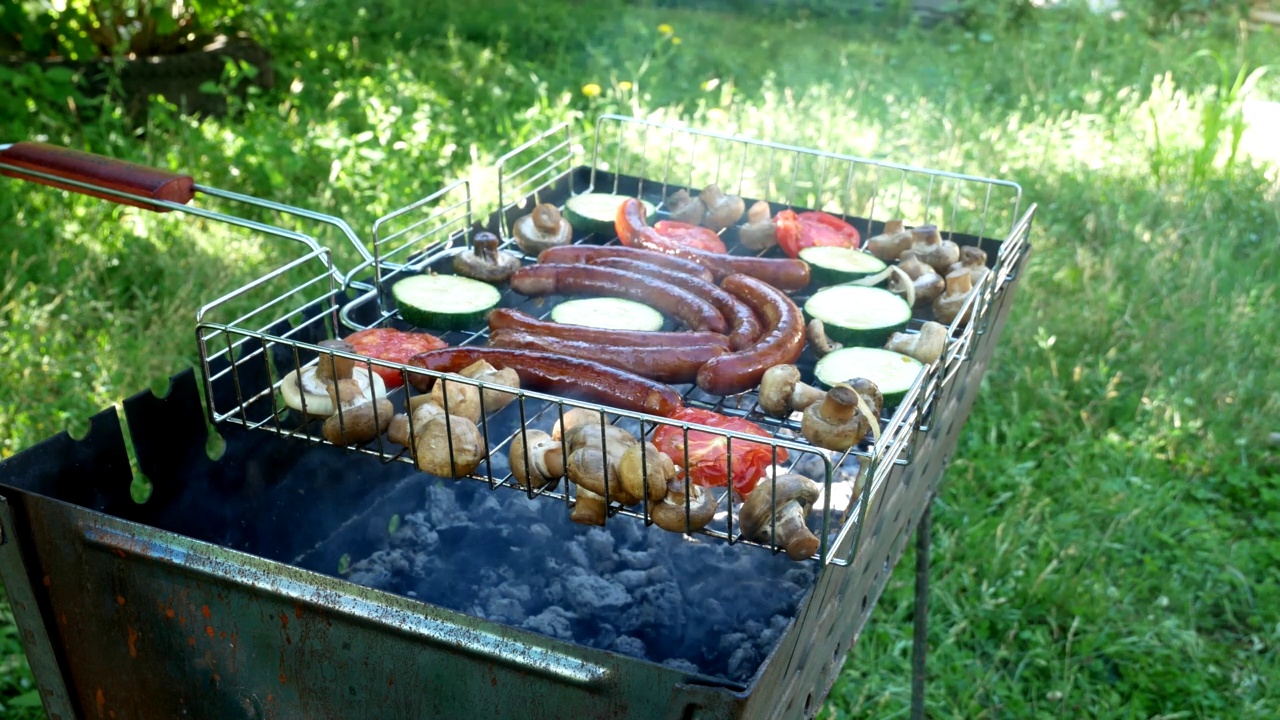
494 400
835 423
644 471
316 388
592 469
684 208
927 283
932 250
782 393
891 242
759 233
398 430
541 229
360 424
588 508
464 399
447 446
975 259
775 513
817 333
671 515
925 346
575 417
536 459
722 210
947 306
485 261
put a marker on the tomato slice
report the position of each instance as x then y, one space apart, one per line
826 229
694 236
786 225
708 454
393 346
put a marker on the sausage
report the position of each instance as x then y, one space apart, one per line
665 364
744 327
558 374
507 319
693 311
580 254
634 231
781 344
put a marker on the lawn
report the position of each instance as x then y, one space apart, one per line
1108 543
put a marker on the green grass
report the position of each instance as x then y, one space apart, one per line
1107 543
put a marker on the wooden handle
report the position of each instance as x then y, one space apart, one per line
104 172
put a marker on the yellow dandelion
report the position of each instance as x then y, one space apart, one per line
625 85
591 90
676 40
666 29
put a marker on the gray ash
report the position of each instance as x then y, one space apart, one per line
698 606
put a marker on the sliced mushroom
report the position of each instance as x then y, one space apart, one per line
891 242
684 208
304 386
817 334
759 233
485 261
359 424
722 210
536 459
932 250
541 229
447 446
782 393
644 471
975 259
835 423
494 400
925 346
775 512
670 514
948 305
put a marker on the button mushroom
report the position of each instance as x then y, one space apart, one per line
485 261
782 393
925 346
447 445
932 250
818 340
494 400
464 399
671 514
948 305
759 233
775 513
975 259
596 471
541 229
308 390
644 471
536 459
927 283
836 423
722 210
360 424
684 208
891 242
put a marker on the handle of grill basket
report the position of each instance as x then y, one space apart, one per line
106 173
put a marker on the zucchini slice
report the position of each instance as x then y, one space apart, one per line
855 315
607 314
595 213
832 265
444 302
892 372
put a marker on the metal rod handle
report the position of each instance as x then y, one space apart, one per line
107 173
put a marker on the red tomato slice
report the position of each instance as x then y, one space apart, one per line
708 455
393 346
694 236
786 225
821 229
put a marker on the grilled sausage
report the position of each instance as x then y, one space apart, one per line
547 372
507 319
744 327
634 231
665 364
693 311
579 254
781 344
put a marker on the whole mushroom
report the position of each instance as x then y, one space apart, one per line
541 229
463 399
671 515
644 471
759 233
684 208
927 283
313 389
485 261
536 459
360 424
836 423
891 242
975 259
722 210
932 250
775 513
494 400
948 305
782 393
447 445
925 346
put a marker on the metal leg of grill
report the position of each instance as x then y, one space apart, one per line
920 639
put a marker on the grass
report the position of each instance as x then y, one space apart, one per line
1107 543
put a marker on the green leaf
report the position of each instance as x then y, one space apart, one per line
28 699
209 87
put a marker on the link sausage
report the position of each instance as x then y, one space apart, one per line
507 319
781 344
579 254
558 374
634 231
676 365
744 327
693 311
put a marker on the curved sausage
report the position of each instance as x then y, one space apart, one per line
781 344
550 373
665 364
693 311
579 254
507 319
744 327
634 231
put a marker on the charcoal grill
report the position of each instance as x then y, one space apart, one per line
268 573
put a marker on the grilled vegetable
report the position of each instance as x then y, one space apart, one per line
670 514
948 305
830 265
685 209
644 471
463 399
688 235
927 284
812 229
316 388
925 346
932 250
782 393
485 261
893 373
891 242
594 213
444 302
494 400
775 512
608 314
359 424
536 459
854 315
447 446
394 346
975 259
838 422
722 210
759 233
542 229
708 454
